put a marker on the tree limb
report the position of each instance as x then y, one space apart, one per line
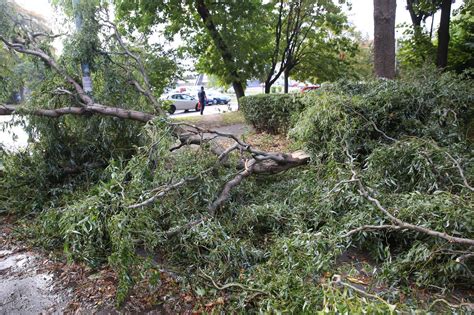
460 171
52 64
372 228
404 225
87 109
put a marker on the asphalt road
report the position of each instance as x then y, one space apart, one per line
208 110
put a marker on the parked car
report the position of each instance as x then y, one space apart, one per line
181 101
210 100
218 98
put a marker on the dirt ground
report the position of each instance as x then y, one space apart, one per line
26 287
33 281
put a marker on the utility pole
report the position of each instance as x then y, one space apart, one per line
86 72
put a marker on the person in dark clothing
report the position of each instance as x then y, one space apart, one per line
202 99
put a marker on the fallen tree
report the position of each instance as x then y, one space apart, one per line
259 163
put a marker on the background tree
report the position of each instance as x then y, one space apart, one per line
420 11
384 38
17 73
225 37
332 57
443 34
304 31
417 49
461 44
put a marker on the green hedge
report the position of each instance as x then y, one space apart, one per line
271 112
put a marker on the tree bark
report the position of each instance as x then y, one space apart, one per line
221 45
443 35
416 17
239 89
384 38
81 111
287 79
268 87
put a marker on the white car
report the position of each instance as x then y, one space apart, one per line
181 101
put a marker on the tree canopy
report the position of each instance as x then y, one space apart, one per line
243 40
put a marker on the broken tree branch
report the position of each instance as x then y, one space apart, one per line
404 225
231 285
336 279
88 109
460 171
259 162
225 192
163 190
52 64
372 228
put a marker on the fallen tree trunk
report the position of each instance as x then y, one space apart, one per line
80 111
260 162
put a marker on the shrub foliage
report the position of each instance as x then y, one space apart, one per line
272 113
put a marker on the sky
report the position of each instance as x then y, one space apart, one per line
361 14
42 7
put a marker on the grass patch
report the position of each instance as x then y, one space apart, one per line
214 121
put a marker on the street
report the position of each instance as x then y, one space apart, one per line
208 110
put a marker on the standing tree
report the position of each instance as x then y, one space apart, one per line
461 48
418 48
301 28
443 34
225 37
420 10
384 38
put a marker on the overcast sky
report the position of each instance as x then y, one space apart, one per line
361 15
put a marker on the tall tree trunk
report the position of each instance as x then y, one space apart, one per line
443 35
384 38
239 89
221 45
268 87
287 79
416 17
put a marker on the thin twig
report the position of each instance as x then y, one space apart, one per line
470 306
372 228
231 285
460 171
336 279
405 225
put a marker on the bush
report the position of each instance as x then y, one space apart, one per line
362 116
276 89
272 113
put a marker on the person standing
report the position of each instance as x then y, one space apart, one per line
202 99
